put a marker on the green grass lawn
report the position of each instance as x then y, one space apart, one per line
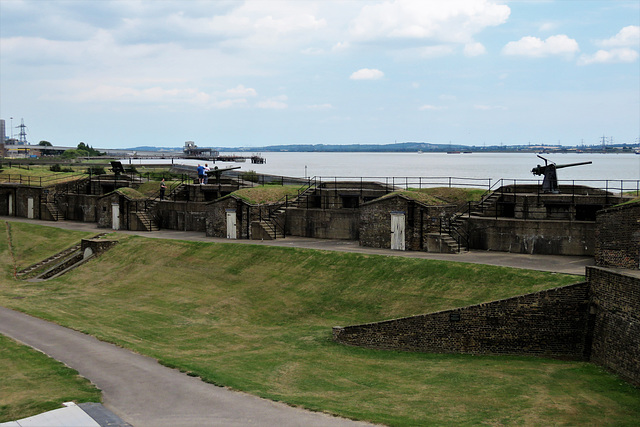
259 319
33 383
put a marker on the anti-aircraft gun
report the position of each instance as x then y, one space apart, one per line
550 182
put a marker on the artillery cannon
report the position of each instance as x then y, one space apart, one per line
550 182
217 173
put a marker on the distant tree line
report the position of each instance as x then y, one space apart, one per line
83 150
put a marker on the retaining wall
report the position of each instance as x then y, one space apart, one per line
615 319
618 237
551 323
532 237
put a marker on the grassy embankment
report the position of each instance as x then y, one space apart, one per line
259 319
39 175
33 383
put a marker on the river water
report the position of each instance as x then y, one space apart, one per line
471 166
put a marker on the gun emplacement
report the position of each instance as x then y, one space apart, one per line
550 182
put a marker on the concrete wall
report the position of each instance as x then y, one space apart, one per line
182 216
615 320
618 237
549 323
532 237
79 207
323 223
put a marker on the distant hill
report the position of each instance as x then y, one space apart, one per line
406 147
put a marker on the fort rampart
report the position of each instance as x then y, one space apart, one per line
598 320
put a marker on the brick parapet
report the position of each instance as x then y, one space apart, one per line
618 237
550 323
615 311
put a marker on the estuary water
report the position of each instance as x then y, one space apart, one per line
483 166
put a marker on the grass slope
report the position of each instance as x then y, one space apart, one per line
33 383
259 319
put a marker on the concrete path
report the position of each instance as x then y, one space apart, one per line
144 393
551 263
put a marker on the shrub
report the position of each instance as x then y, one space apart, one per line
96 170
251 176
55 168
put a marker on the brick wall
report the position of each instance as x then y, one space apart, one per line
615 319
550 323
618 237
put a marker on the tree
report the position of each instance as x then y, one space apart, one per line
45 144
90 150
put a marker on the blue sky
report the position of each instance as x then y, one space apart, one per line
117 74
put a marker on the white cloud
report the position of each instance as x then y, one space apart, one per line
275 103
340 46
626 37
367 74
537 48
547 26
241 91
444 21
474 49
623 55
320 107
124 94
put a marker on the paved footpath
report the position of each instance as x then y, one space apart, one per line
145 393
551 263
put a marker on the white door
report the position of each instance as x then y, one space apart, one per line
231 223
397 231
30 208
10 205
115 216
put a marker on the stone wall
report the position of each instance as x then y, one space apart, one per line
549 323
532 237
420 220
323 223
618 237
23 194
615 320
216 218
104 208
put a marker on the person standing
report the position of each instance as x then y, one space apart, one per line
206 174
163 188
201 174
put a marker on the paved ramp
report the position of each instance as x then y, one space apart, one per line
144 393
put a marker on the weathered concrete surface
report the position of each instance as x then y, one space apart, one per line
144 393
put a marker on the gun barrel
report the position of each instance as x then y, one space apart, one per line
572 164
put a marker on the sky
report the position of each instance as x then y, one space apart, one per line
128 73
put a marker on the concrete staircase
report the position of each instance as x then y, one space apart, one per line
487 206
54 211
147 220
53 259
457 232
272 229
